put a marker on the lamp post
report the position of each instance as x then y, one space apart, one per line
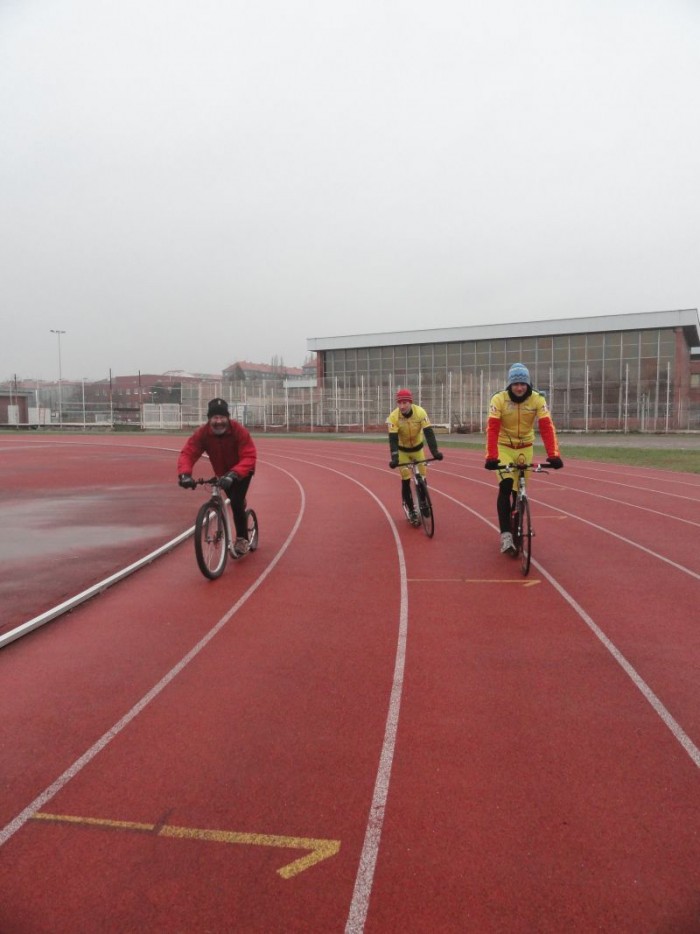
60 378
83 403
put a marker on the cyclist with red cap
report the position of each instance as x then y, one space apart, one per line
409 430
510 435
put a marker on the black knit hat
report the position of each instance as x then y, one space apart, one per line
218 407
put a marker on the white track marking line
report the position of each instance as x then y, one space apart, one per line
622 502
675 728
571 515
364 879
38 803
666 717
627 541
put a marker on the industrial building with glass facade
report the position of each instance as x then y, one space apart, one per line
616 372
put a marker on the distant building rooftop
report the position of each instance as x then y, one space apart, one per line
687 318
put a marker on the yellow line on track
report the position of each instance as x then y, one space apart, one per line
320 849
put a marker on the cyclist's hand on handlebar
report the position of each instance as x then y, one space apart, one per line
556 463
491 463
228 479
438 455
394 462
186 481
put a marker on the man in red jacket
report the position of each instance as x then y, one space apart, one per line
232 454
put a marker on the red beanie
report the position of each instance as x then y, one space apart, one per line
404 395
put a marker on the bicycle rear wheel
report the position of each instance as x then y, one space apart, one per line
525 536
252 528
210 544
425 507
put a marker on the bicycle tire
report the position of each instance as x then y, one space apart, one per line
251 521
210 540
525 537
425 508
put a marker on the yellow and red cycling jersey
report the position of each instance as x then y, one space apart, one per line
409 428
512 424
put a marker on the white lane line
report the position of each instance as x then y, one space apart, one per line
364 879
639 682
622 502
666 717
40 801
571 515
627 541
675 728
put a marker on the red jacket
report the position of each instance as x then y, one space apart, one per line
233 450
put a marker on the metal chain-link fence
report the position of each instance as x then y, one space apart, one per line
456 403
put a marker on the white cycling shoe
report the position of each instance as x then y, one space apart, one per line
507 546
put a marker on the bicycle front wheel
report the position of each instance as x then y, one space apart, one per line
425 507
516 527
525 536
210 544
251 521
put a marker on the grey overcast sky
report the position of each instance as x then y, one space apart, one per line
183 185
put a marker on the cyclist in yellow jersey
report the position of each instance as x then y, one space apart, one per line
409 430
510 434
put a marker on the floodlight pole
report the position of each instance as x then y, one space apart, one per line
60 378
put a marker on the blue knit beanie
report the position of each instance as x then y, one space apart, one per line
518 373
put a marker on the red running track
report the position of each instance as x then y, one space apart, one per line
355 728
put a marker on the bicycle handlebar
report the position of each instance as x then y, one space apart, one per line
212 481
521 468
427 460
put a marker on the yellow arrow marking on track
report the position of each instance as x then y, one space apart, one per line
320 849
470 580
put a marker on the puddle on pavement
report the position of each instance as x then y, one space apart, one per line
45 526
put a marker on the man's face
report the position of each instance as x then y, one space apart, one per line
218 424
405 406
519 389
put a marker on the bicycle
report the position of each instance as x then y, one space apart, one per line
214 531
520 521
425 515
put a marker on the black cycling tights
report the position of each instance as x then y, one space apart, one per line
504 503
237 496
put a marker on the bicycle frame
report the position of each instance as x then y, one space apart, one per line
425 506
521 470
215 531
521 525
217 496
